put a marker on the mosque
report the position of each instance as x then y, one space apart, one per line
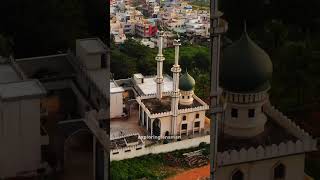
177 112
254 139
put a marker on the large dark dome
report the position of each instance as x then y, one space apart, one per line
245 67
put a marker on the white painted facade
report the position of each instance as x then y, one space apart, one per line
239 123
20 127
116 100
19 136
264 170
156 149
90 52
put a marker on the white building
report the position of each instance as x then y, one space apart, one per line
147 43
116 100
20 136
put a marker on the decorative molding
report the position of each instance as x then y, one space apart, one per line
260 153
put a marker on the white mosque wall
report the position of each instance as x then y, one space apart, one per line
261 153
156 149
190 120
264 170
19 122
165 125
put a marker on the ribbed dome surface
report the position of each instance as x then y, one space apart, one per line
245 67
186 82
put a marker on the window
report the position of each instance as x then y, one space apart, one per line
234 113
184 126
182 97
103 61
251 113
197 124
184 118
238 175
188 97
197 115
279 172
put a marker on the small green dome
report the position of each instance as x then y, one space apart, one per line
245 67
186 82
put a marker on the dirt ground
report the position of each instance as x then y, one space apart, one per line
193 174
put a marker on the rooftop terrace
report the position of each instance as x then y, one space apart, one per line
164 105
273 134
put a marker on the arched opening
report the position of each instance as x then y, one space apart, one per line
237 175
78 155
167 133
279 172
156 127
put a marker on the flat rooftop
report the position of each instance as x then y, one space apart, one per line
114 88
122 142
92 45
164 105
8 74
273 134
44 67
21 89
149 85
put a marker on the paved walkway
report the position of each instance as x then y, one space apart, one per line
126 126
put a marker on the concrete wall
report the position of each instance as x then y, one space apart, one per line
156 149
19 136
263 170
243 125
116 104
91 61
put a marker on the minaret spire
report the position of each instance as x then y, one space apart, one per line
160 58
176 92
216 30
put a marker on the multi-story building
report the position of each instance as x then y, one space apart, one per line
44 102
146 28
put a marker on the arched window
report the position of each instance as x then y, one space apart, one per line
279 172
184 118
237 175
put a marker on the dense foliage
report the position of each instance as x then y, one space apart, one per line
152 166
45 27
132 57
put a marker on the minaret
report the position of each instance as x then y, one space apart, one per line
160 58
176 93
215 108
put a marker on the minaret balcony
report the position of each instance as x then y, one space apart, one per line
160 58
176 69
